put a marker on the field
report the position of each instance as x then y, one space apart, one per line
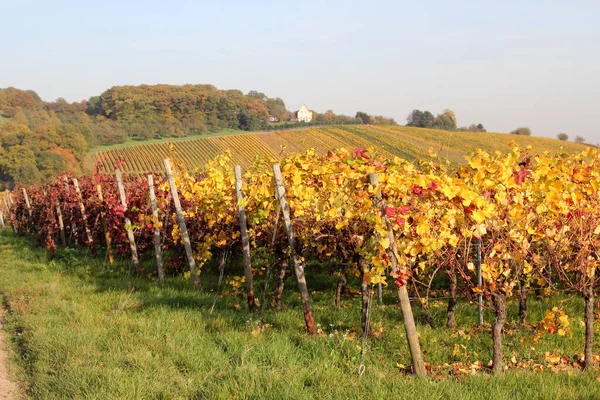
409 143
85 327
137 141
91 156
78 332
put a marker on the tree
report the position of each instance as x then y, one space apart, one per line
445 120
20 118
472 128
579 139
276 108
93 106
329 116
16 98
253 94
250 121
36 97
381 120
524 131
421 119
50 164
19 163
364 117
71 138
562 136
227 113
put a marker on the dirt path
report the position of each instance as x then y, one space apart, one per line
9 390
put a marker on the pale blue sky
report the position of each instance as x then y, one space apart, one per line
505 64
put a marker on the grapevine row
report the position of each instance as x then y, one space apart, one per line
534 218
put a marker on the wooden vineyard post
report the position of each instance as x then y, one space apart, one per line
588 297
157 249
365 291
61 224
88 233
111 257
298 264
7 207
6 202
4 210
409 321
479 283
8 199
182 227
245 240
74 234
27 204
128 228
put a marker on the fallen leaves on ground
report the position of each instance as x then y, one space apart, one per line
552 362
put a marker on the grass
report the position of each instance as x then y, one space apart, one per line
78 332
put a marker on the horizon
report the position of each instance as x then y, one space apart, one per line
504 66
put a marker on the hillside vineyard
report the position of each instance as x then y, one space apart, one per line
534 218
388 141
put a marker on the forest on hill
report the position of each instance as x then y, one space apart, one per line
39 139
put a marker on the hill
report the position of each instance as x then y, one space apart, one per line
409 143
39 139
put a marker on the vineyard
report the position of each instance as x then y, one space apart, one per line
494 229
405 142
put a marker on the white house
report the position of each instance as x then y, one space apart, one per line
304 114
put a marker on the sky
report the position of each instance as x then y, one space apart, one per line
504 64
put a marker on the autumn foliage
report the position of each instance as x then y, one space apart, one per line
536 216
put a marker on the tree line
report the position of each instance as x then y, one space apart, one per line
39 139
444 121
447 121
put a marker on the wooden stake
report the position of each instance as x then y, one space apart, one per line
7 207
365 291
184 233
409 321
588 297
479 283
27 201
111 257
73 234
4 209
298 264
157 249
245 239
28 206
6 202
128 228
88 233
61 224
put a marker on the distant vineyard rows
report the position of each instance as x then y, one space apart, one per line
405 142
